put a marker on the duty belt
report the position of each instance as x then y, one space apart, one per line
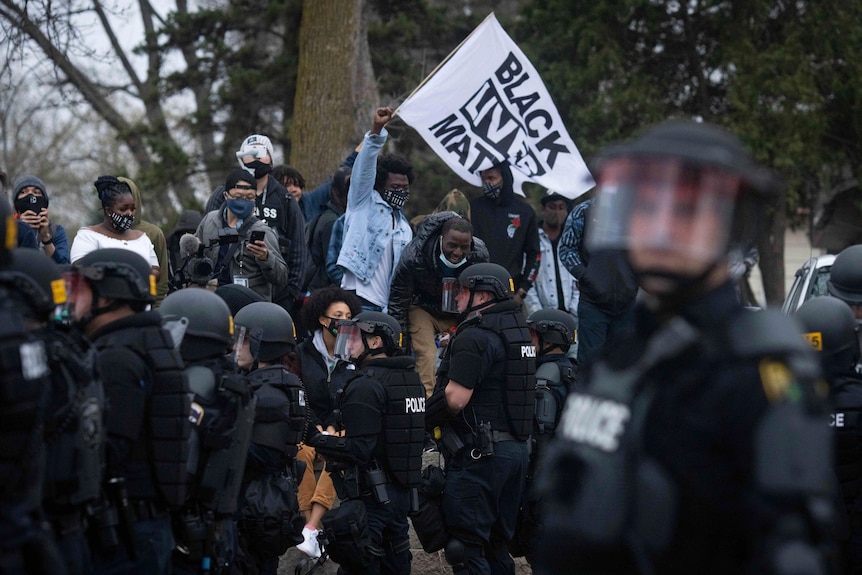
146 509
498 436
65 524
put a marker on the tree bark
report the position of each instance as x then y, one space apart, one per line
335 90
771 248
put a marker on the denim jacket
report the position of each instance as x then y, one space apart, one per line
544 292
368 221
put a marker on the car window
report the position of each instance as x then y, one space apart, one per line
791 302
817 285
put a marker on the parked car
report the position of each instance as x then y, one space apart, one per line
810 281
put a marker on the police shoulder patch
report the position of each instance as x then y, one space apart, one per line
779 383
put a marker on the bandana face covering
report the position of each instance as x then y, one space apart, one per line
396 197
122 223
492 191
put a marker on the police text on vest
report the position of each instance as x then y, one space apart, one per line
414 405
596 422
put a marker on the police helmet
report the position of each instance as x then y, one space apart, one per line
34 279
490 278
269 328
845 277
116 273
553 326
8 230
210 325
830 327
679 167
383 325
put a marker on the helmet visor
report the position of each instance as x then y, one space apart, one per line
666 205
246 345
348 342
448 303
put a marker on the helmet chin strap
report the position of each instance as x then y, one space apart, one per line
96 312
361 357
470 309
542 348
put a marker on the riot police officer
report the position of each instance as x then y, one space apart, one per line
382 415
699 444
74 427
270 520
26 545
222 415
830 327
845 279
148 423
485 401
553 333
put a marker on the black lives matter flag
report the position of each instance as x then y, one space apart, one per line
486 103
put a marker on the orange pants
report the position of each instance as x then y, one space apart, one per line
313 490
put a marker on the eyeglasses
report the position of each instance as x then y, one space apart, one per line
251 196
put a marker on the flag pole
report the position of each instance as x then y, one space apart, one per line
440 65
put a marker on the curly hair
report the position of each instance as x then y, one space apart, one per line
321 299
282 173
110 189
392 164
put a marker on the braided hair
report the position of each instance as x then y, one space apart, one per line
110 189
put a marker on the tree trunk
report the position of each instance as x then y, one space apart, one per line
335 89
771 247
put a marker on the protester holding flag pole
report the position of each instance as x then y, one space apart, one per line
486 104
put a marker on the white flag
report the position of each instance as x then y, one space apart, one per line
486 104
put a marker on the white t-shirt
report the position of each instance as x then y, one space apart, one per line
88 240
377 289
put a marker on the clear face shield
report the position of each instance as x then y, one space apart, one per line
348 342
176 326
448 303
72 284
668 214
246 344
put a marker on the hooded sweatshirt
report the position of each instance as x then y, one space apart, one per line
510 229
156 236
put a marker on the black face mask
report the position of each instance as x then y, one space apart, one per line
30 203
396 197
258 169
332 327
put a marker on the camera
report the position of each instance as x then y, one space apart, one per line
196 267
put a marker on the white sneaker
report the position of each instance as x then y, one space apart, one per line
309 544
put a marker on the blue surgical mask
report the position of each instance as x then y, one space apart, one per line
449 264
240 208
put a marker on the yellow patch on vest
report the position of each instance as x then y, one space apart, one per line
776 379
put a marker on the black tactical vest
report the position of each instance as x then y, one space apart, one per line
553 383
24 386
403 422
600 436
846 396
519 390
168 406
75 429
280 416
222 415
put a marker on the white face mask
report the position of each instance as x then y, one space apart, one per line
446 262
